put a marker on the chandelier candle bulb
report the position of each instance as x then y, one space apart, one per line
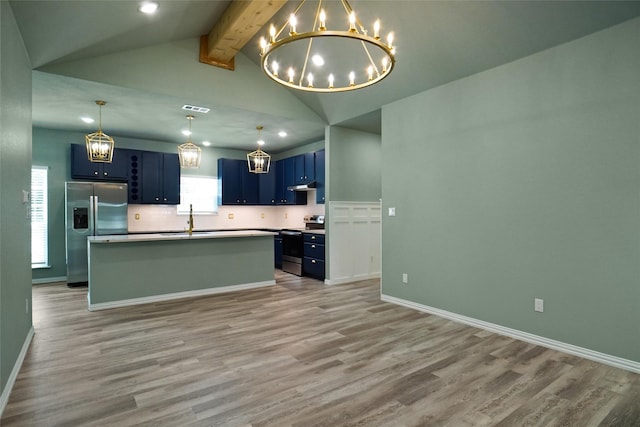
310 79
292 22
323 21
330 81
352 22
263 45
370 72
385 61
274 67
376 29
352 78
291 74
272 33
390 40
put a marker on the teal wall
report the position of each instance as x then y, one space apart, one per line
15 177
354 161
521 182
51 148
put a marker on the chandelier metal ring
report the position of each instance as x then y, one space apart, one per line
379 72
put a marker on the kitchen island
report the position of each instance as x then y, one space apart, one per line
142 268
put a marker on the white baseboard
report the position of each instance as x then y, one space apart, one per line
357 278
176 295
586 353
48 280
4 398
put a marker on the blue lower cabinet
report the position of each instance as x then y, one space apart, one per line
313 268
313 255
277 250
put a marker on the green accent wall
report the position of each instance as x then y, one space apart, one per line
354 161
15 177
521 182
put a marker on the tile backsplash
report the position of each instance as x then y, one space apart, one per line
153 218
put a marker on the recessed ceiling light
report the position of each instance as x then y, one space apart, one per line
186 132
282 134
148 8
87 119
318 60
206 143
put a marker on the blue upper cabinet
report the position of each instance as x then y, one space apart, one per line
160 178
285 179
304 168
237 185
320 176
82 168
267 186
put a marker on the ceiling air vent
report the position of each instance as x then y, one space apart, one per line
195 108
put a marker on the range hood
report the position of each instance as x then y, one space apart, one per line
302 187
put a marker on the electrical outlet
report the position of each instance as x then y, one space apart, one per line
262 215
230 216
405 278
538 305
137 217
392 211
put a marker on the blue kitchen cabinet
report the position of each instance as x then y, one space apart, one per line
160 178
320 176
313 261
267 186
304 168
82 168
237 185
277 250
286 177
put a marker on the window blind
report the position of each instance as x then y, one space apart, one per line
39 220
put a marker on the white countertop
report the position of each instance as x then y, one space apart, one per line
125 238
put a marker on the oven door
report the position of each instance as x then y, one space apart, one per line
292 246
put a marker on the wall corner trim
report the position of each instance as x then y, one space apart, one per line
596 356
4 398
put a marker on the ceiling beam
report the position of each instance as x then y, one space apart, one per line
238 24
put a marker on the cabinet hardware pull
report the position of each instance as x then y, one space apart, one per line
313 261
313 246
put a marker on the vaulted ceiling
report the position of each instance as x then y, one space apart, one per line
147 67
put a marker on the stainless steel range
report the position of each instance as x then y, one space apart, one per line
292 244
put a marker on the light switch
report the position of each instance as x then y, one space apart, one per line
392 211
137 216
25 196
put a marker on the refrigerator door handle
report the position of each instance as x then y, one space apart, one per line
93 204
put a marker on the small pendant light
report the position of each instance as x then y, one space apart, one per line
189 153
99 144
258 161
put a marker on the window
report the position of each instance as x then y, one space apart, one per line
39 235
199 191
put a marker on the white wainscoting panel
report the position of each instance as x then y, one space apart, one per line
354 241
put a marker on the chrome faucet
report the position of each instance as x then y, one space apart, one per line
190 222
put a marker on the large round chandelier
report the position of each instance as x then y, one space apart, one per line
319 59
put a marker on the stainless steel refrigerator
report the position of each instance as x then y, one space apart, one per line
92 209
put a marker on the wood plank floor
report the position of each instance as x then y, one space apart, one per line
297 354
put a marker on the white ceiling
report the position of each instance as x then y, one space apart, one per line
438 42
